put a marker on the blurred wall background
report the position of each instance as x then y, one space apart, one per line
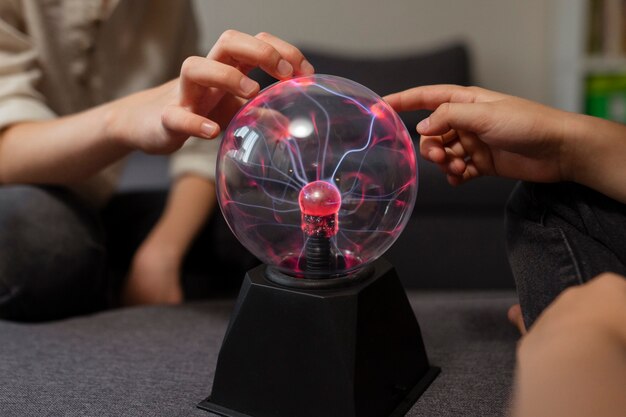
510 41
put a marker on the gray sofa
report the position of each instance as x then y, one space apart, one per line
159 361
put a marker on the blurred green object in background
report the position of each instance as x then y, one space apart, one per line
605 96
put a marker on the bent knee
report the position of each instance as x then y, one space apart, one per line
46 234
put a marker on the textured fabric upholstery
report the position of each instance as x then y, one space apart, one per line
159 361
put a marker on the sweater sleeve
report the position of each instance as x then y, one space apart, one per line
19 72
198 157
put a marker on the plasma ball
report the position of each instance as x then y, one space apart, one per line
320 202
316 176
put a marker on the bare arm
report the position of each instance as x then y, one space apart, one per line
598 149
474 132
191 201
157 120
155 271
59 151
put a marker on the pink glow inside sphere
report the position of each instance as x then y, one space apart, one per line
319 198
317 156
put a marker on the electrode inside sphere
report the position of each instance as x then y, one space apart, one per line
319 198
319 203
317 157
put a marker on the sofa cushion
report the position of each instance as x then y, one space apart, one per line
159 361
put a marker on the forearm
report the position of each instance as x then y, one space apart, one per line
597 155
155 273
59 151
190 203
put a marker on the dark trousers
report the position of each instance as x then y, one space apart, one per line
559 235
60 257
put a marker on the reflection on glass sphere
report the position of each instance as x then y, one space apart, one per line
317 176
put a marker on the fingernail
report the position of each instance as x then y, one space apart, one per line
431 153
306 67
423 125
284 68
208 129
248 86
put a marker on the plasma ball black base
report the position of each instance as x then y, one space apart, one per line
339 352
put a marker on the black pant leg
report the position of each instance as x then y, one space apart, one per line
559 235
52 256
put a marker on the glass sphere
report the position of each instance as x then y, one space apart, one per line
317 176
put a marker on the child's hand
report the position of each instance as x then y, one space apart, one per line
159 120
474 132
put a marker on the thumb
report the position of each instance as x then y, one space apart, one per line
470 117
